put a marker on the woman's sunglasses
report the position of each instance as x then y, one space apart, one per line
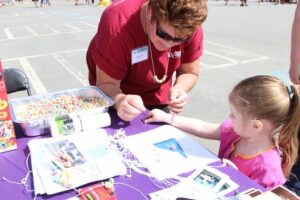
165 36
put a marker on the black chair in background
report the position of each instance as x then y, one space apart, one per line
16 80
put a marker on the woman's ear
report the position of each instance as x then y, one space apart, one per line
149 14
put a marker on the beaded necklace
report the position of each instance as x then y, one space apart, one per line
155 78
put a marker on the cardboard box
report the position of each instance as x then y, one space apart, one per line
7 132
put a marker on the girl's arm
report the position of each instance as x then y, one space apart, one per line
190 125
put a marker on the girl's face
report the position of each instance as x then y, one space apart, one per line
242 126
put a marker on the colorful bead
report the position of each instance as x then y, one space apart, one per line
58 106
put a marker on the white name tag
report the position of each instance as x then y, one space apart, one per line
139 54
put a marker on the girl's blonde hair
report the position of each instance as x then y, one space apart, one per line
267 98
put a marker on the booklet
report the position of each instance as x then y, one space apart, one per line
277 193
204 183
66 162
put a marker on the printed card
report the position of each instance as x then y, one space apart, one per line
97 191
7 132
204 183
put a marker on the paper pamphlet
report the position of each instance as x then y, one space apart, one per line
205 183
163 148
65 162
277 193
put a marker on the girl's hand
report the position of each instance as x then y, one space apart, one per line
155 115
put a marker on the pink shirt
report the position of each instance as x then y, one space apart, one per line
264 167
120 31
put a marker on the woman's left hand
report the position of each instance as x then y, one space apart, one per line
177 100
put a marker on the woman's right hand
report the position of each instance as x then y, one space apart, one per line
129 106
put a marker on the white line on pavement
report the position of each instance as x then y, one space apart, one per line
32 76
51 29
8 34
79 76
44 54
220 56
221 45
230 49
261 58
88 24
233 64
46 35
72 27
30 30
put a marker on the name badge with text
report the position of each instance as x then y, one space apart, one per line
139 54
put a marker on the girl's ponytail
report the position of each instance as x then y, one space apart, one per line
288 140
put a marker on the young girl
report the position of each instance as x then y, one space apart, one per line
260 107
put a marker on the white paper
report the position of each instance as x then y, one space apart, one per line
95 121
92 160
38 186
205 183
163 163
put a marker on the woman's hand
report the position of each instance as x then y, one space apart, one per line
129 106
177 100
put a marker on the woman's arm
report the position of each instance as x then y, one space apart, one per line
127 106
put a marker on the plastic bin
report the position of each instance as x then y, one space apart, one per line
33 113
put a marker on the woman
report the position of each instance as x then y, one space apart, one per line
138 47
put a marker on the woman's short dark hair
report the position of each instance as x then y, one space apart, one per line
185 15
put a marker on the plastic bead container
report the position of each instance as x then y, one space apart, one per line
33 113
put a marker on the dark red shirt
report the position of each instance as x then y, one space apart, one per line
120 31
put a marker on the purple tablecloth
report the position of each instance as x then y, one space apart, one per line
13 168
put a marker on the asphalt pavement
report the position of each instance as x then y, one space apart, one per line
50 44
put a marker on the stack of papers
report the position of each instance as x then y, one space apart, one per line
66 162
277 193
205 183
167 151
